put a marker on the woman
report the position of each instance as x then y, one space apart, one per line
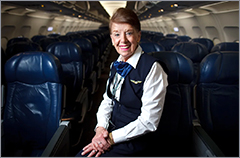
134 97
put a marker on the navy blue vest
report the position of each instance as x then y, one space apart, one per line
128 108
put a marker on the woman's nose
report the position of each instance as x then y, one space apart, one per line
123 38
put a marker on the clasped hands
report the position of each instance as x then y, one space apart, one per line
101 142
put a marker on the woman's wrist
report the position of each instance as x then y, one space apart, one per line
110 139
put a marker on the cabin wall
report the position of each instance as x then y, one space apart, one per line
15 25
220 27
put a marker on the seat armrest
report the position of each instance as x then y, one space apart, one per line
203 145
59 143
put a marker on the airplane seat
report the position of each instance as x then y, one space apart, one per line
204 41
168 42
218 99
71 58
37 38
157 37
54 35
184 38
44 42
87 51
19 47
194 51
96 51
33 105
18 39
64 38
172 35
149 47
226 46
174 132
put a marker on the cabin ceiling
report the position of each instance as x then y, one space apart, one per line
94 11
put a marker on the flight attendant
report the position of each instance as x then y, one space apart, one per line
133 102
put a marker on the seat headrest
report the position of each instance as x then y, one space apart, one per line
178 67
195 51
84 43
66 52
205 41
33 68
168 42
151 47
226 46
220 67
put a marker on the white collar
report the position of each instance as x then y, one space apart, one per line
133 60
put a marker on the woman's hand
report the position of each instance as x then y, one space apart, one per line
99 144
99 141
90 148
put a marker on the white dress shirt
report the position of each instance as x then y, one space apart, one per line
154 90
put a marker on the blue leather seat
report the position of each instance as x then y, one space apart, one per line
34 102
18 39
175 127
149 47
194 51
87 51
37 38
44 42
19 47
168 42
218 100
71 58
226 46
208 43
184 38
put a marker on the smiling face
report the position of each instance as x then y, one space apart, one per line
125 39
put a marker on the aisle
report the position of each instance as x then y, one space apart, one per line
90 120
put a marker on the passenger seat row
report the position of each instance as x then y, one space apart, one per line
217 101
46 88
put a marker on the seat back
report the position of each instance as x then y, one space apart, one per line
149 47
194 51
19 47
70 56
226 46
176 122
168 42
87 51
45 42
208 43
34 102
18 39
218 99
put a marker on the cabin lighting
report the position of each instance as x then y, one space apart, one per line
42 6
175 5
176 29
50 29
111 6
60 11
79 16
161 10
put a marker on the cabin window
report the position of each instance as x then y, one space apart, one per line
42 30
231 33
197 31
4 41
212 32
25 31
182 30
7 31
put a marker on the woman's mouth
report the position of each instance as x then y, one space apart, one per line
124 47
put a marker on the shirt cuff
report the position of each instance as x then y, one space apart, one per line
119 136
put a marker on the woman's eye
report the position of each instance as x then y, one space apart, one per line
128 33
116 34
